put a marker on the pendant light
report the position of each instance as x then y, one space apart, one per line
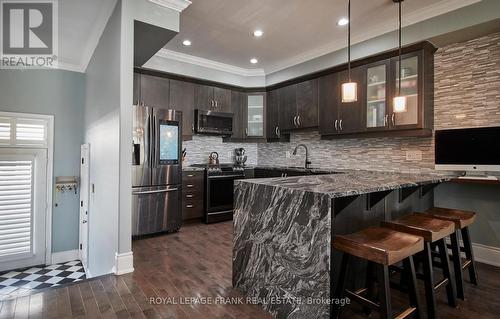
349 89
400 105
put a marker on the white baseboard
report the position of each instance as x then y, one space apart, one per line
484 254
64 256
487 254
124 263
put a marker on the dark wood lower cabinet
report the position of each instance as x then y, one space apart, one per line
193 195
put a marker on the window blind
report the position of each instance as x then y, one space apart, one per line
15 207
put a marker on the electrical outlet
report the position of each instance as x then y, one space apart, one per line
288 154
229 154
413 155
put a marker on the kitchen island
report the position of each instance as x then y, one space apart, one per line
283 230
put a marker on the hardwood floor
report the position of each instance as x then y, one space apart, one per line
196 262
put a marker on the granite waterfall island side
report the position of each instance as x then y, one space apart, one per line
283 230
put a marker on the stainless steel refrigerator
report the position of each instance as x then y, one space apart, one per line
156 170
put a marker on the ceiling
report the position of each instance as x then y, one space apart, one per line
80 25
294 30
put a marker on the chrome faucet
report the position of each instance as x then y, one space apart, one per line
308 163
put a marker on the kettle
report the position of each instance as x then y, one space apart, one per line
213 159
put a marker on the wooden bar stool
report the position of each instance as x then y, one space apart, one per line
462 220
434 231
381 247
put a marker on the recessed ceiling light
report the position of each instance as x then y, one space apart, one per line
254 61
258 33
342 22
186 43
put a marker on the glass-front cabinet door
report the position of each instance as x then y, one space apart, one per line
255 115
410 88
376 95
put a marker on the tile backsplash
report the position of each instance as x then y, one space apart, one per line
200 147
467 94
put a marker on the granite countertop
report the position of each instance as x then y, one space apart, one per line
342 183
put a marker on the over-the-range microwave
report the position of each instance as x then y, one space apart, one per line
214 123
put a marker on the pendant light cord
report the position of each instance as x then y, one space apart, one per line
400 67
349 39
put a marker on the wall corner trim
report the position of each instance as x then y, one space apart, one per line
64 256
177 5
124 263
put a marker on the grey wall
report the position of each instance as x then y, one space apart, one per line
482 199
102 131
58 93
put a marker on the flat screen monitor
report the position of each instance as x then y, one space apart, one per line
470 149
169 143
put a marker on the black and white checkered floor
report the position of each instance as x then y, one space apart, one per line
20 283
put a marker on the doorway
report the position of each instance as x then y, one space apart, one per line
25 194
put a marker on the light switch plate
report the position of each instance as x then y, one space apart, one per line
413 155
288 154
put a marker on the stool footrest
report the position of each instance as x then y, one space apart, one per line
364 301
441 283
467 264
405 314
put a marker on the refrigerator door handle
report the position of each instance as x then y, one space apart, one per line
156 141
156 192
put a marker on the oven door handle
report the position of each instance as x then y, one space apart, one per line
156 192
226 176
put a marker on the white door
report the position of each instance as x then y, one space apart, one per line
84 203
23 198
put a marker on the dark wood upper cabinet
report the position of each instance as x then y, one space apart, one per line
307 104
182 99
155 91
212 98
273 115
351 114
288 108
238 102
412 83
203 97
377 93
222 100
328 104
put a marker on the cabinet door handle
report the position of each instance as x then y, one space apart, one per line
341 126
216 104
393 119
295 121
298 120
386 121
190 175
189 206
336 125
278 134
276 131
189 196
246 131
189 185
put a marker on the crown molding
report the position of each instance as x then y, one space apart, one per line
186 58
437 9
177 5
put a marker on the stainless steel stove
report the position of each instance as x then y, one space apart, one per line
219 189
